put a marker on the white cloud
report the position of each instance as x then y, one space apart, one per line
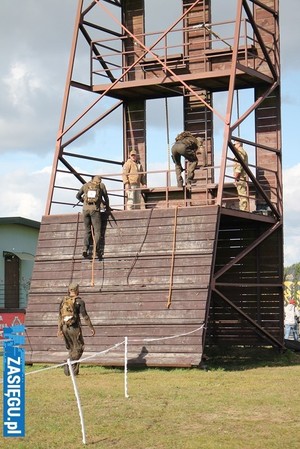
291 194
289 28
23 192
35 40
20 85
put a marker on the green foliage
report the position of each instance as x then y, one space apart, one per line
292 272
292 282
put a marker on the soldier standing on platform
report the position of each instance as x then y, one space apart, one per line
240 177
134 180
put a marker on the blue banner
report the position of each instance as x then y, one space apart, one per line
14 381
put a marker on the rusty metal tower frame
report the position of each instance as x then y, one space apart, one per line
134 72
125 67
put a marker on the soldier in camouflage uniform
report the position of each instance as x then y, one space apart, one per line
186 145
240 177
69 327
91 195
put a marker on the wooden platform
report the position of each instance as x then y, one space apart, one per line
150 257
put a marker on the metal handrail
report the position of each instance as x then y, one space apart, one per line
204 184
213 39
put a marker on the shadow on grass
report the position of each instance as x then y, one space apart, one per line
225 359
243 358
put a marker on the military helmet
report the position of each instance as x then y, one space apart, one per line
73 286
97 178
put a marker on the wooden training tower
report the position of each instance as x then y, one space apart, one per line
188 270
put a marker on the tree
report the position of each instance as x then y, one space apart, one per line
292 282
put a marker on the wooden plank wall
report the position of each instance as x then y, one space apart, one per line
254 285
127 292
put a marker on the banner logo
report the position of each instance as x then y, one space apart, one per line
14 382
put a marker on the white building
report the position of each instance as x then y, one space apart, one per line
18 241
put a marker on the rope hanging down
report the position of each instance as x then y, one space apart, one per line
172 259
93 258
74 248
168 142
141 246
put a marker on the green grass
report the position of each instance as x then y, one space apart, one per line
244 400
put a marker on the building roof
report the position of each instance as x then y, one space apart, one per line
20 221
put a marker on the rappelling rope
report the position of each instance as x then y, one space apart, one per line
172 259
141 246
168 143
93 258
74 248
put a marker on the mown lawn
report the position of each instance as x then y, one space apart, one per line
239 402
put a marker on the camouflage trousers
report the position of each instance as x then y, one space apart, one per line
241 187
75 345
92 219
178 150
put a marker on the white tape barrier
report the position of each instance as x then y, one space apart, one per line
78 401
125 342
112 348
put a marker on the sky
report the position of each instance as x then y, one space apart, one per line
35 42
